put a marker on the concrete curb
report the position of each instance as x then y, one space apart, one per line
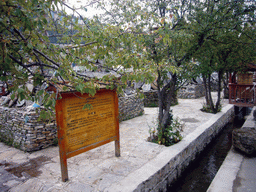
229 170
225 177
169 164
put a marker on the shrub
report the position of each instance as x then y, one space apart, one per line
207 108
170 135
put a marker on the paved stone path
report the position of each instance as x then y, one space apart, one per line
98 169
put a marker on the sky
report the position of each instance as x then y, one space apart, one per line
89 13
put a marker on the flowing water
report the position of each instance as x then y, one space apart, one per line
200 173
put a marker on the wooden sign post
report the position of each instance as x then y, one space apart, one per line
80 130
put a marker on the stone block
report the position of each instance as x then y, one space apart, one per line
39 127
50 124
244 140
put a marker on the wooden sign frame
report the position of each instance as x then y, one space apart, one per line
80 130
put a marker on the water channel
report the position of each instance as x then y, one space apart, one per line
200 173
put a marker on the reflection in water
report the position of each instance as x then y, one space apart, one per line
211 166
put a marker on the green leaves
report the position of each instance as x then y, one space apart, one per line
30 46
87 106
87 87
80 88
21 94
41 44
38 79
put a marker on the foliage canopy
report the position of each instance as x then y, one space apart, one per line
137 40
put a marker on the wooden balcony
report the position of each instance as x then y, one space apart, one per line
242 95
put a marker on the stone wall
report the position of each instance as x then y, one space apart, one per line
151 98
31 135
24 131
130 106
191 91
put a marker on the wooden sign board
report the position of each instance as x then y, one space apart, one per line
80 130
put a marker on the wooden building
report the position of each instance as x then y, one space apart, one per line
242 91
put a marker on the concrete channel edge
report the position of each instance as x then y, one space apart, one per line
227 174
158 173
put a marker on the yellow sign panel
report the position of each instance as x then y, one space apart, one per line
85 127
80 130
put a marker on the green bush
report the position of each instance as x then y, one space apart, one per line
170 135
207 108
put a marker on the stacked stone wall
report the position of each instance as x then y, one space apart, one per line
151 98
192 91
130 106
22 129
31 135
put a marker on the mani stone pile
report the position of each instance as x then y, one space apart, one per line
20 127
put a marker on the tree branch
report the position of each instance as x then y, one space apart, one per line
46 57
36 50
82 45
41 64
20 63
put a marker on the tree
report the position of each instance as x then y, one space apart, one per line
227 41
162 40
173 32
40 42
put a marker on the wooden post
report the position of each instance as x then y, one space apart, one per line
117 141
61 141
63 155
63 166
117 148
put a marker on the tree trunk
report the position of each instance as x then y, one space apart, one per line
165 99
209 93
219 92
168 92
206 90
226 88
160 98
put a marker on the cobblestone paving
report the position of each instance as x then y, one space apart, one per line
98 169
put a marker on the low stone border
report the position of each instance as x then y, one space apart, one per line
157 174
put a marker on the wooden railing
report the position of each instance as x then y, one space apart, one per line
242 94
